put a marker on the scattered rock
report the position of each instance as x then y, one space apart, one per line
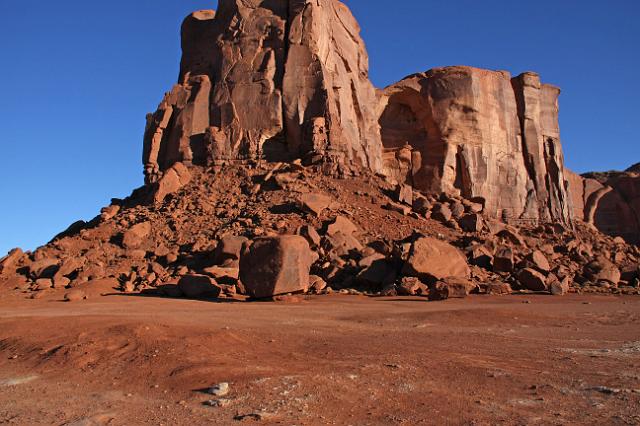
498 288
559 288
276 265
221 389
314 203
441 213
342 225
229 249
135 236
74 296
503 260
44 268
404 194
437 259
532 280
539 261
173 179
44 284
196 286
471 222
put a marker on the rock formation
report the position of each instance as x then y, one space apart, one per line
273 167
286 80
480 134
263 79
609 201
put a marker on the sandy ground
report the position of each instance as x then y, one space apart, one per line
345 360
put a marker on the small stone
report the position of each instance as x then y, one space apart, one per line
222 402
74 296
221 389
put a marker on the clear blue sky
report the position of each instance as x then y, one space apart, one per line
79 76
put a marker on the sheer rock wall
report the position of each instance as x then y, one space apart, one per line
277 80
479 133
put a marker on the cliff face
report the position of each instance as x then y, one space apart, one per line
264 79
609 201
482 134
285 80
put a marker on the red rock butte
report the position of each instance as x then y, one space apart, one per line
274 166
279 81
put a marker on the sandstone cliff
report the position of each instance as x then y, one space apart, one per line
289 80
482 134
273 80
609 201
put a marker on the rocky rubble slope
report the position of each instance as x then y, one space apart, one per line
264 230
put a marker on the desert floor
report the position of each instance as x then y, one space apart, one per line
346 360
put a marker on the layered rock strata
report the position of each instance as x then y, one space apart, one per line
264 79
481 134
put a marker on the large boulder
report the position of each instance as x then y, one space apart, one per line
135 236
276 265
533 280
9 262
602 270
437 259
172 180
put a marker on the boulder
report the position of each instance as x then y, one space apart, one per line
441 213
602 270
44 284
197 286
503 260
220 273
421 205
44 268
275 266
498 289
311 235
436 259
378 274
316 284
229 249
539 261
9 262
177 176
136 235
452 287
342 225
559 288
341 244
531 279
404 194
314 203
412 286
511 236
482 257
74 296
472 222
